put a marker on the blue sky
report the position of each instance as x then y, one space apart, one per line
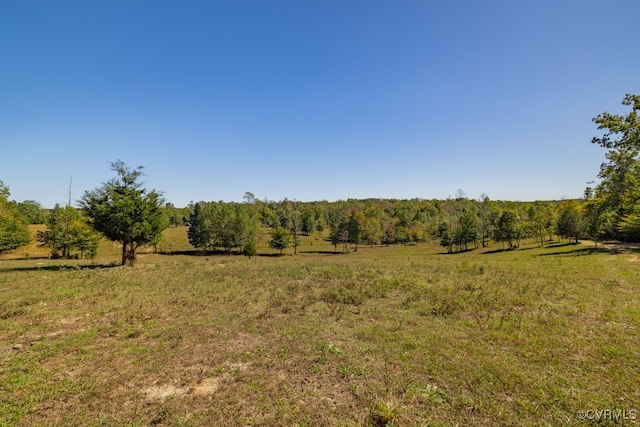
312 99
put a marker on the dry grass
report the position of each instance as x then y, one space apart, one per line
396 336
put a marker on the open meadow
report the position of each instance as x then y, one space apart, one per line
398 335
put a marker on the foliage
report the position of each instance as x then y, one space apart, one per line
446 239
32 212
629 226
68 230
467 231
372 231
200 232
622 132
507 229
291 219
125 212
355 227
13 232
596 219
461 224
484 212
619 190
540 221
221 225
250 249
281 239
570 221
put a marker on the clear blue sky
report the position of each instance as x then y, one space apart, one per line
311 99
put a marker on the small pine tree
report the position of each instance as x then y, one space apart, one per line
250 249
281 238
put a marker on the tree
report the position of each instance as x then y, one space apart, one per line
85 239
124 212
68 230
281 239
334 238
622 132
507 228
291 219
467 231
13 232
245 230
308 221
372 230
539 221
32 212
570 222
250 249
221 225
446 240
619 189
484 210
200 232
596 219
355 226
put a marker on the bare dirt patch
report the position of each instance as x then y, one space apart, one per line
209 386
205 387
162 392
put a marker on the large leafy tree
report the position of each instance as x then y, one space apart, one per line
619 189
622 131
125 212
13 232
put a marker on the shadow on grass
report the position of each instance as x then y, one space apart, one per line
498 251
237 253
453 253
590 250
562 244
323 252
60 267
190 253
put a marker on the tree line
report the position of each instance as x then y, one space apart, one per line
123 211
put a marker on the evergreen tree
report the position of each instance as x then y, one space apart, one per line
281 239
200 233
125 212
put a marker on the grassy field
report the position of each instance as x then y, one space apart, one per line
400 335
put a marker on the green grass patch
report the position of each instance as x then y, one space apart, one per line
401 335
